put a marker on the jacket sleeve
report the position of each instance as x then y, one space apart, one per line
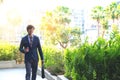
40 50
21 48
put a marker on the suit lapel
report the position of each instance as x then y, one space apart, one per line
27 40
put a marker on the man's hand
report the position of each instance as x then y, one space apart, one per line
26 49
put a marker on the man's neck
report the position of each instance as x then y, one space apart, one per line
31 35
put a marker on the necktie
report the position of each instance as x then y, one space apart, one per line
31 40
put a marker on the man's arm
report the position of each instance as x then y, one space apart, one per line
40 50
22 46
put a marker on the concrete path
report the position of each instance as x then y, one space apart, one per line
14 74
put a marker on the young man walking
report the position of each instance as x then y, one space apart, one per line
30 45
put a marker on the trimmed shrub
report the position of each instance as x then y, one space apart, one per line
53 59
7 52
97 61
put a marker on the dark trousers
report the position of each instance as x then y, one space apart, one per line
31 67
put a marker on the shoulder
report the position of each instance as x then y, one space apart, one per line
25 37
36 37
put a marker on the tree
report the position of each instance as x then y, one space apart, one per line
103 16
113 11
104 24
98 14
117 13
55 26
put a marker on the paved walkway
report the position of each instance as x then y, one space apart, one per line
14 74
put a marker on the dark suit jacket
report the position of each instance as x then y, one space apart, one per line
33 51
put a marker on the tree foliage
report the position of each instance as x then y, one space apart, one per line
103 15
113 11
56 29
98 14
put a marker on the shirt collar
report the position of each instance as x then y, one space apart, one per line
29 36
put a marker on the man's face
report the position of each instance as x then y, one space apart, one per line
30 31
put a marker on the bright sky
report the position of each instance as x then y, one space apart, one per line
28 8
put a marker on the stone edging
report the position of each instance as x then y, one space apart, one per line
47 75
51 77
10 64
61 77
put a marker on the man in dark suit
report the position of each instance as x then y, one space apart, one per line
30 45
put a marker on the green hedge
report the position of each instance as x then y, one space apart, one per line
97 61
7 52
53 59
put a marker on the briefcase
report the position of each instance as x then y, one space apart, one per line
42 71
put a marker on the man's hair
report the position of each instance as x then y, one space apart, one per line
30 27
